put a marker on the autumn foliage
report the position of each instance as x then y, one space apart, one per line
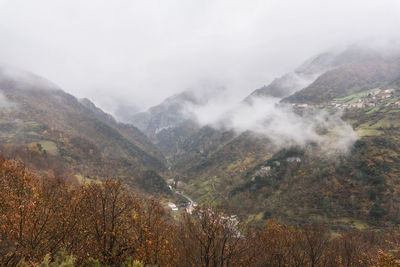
104 223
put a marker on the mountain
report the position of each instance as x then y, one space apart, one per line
300 184
358 189
394 84
282 87
362 71
168 124
169 114
249 173
352 69
173 111
54 131
298 79
130 132
258 179
251 177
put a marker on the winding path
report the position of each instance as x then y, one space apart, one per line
191 202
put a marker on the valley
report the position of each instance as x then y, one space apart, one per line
343 173
249 175
212 133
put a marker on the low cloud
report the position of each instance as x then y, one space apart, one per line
279 122
4 102
23 80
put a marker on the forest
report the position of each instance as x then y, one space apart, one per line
49 222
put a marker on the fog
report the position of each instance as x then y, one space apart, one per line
127 52
4 102
278 122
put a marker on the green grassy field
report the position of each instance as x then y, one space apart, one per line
49 146
352 98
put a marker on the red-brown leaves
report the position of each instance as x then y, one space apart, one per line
108 222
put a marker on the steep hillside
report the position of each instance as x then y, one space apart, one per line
349 78
394 84
129 131
333 74
169 114
223 165
258 180
253 178
281 87
45 126
247 173
302 184
358 189
298 79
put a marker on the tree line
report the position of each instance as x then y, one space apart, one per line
105 224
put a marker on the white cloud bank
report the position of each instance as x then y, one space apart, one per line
279 123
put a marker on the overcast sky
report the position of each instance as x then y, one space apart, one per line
139 52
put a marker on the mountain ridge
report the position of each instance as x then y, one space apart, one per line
88 142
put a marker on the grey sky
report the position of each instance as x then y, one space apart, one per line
140 52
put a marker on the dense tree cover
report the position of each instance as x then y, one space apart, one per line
53 131
46 222
359 186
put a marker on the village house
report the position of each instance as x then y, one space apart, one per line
376 92
293 159
263 171
302 105
277 163
359 105
389 91
386 96
172 206
190 210
356 105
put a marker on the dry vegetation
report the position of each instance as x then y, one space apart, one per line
107 225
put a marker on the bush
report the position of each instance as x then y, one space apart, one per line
377 211
61 259
267 215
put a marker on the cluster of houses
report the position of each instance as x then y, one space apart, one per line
190 209
266 169
263 171
293 159
172 206
373 98
231 221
